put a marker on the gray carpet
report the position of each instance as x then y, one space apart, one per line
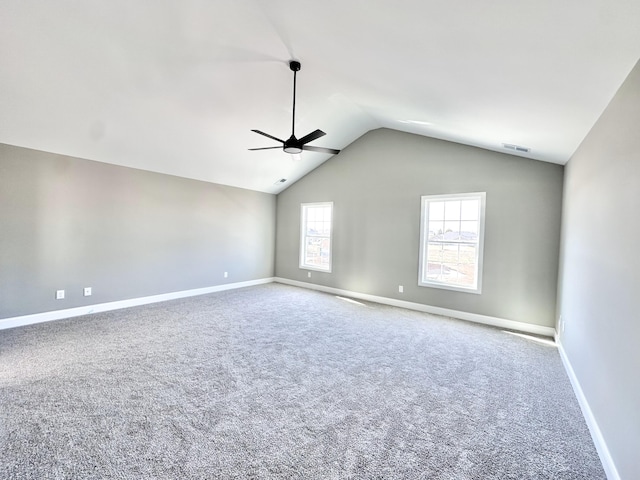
280 382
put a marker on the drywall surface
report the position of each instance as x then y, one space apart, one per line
600 274
376 186
68 223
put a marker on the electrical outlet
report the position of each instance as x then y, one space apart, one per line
226 274
400 289
59 294
308 274
87 291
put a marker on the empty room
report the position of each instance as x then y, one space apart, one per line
319 240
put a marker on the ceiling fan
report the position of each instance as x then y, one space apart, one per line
292 144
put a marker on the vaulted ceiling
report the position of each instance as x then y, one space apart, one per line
176 86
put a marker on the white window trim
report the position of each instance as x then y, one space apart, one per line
424 236
303 265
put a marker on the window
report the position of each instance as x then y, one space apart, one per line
451 241
315 236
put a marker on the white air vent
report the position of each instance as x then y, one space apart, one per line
517 148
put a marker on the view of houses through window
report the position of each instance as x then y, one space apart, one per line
316 225
452 228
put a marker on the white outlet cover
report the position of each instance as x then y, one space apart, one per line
400 289
309 274
87 291
59 294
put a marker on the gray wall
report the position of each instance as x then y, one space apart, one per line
376 185
67 223
600 273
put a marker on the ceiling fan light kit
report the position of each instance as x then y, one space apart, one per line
295 145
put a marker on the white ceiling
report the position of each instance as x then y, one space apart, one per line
176 86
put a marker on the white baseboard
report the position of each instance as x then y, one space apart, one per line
104 307
600 444
472 317
133 302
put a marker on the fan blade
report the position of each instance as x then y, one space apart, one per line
311 137
265 148
320 149
267 135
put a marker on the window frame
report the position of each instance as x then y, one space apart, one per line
304 236
425 200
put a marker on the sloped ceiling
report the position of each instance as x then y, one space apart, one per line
176 86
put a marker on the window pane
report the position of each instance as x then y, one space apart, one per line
434 271
436 210
436 230
312 214
450 253
468 254
451 231
469 226
469 209
450 272
452 210
322 212
434 253
467 265
433 265
317 252
469 231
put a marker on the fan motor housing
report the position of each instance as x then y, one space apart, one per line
292 145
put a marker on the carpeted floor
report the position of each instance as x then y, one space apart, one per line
279 382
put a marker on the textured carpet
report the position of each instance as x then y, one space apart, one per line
275 381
